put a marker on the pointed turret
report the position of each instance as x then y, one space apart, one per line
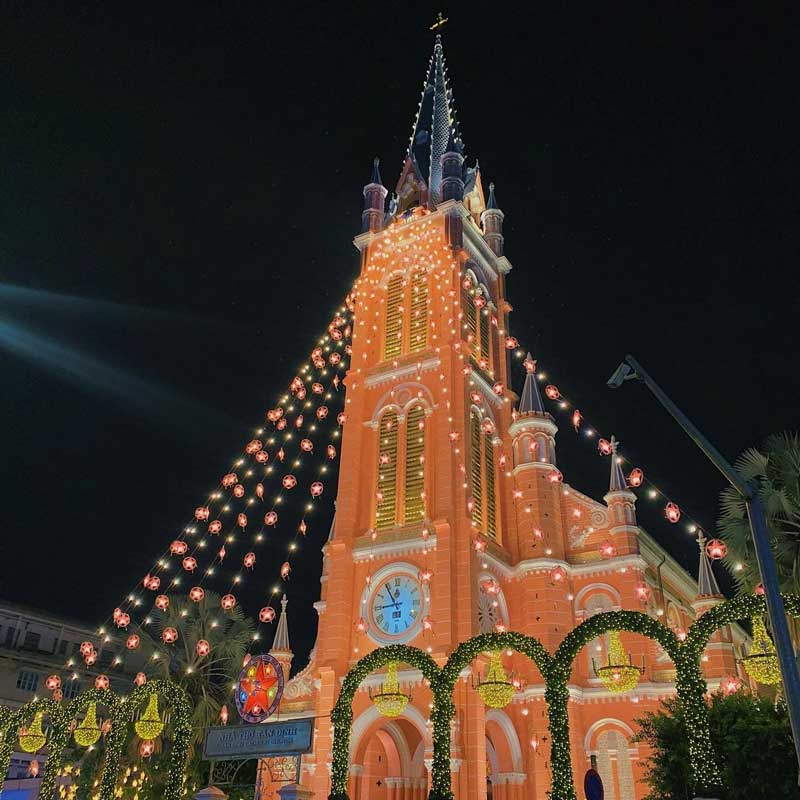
453 170
374 201
621 502
434 124
531 400
492 222
617 482
281 648
706 582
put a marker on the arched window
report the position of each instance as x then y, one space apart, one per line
484 350
385 513
393 340
415 465
614 765
419 311
482 478
476 323
470 321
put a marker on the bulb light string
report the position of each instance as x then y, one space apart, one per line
337 338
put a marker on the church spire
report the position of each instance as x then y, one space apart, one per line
531 400
617 482
280 643
435 123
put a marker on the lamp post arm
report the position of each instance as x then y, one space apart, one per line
716 458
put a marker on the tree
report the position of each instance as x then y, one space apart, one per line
751 736
775 471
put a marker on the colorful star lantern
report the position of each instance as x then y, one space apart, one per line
259 689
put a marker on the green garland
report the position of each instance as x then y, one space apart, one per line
555 669
342 714
121 712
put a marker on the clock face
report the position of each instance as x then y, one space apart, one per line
396 605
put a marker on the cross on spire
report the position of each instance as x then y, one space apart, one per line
617 482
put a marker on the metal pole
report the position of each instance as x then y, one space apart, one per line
764 557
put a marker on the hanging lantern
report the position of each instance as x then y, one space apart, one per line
101 682
302 527
642 592
730 685
716 549
146 749
221 554
106 727
262 456
298 423
238 490
281 455
178 548
228 602
301 395
202 513
260 491
249 560
390 701
289 481
487 426
140 679
306 445
361 625
86 648
123 620
203 648
33 768
149 725
90 658
577 418
425 575
229 480
169 635
498 389
241 520
271 518
322 412
297 383
761 663
33 738
496 690
427 624
223 715
558 574
619 675
607 549
331 452
552 392
316 489
190 563
133 641
555 476
335 358
215 527
511 343
285 570
53 682
476 397
267 614
162 602
341 418
196 594
275 414
88 731
317 388
672 512
604 446
636 478
253 446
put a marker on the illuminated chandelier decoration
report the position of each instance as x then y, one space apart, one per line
149 725
390 701
33 738
88 731
761 663
619 675
496 690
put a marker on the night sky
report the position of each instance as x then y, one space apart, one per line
181 185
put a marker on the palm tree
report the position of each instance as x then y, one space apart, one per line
206 679
775 472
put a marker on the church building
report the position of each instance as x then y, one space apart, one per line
455 515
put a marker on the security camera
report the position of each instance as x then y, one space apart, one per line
621 374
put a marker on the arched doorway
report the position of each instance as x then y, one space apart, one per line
610 741
387 760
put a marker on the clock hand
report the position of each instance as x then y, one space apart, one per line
391 605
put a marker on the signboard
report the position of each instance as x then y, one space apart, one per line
239 742
259 688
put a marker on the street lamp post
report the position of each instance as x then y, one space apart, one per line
629 369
